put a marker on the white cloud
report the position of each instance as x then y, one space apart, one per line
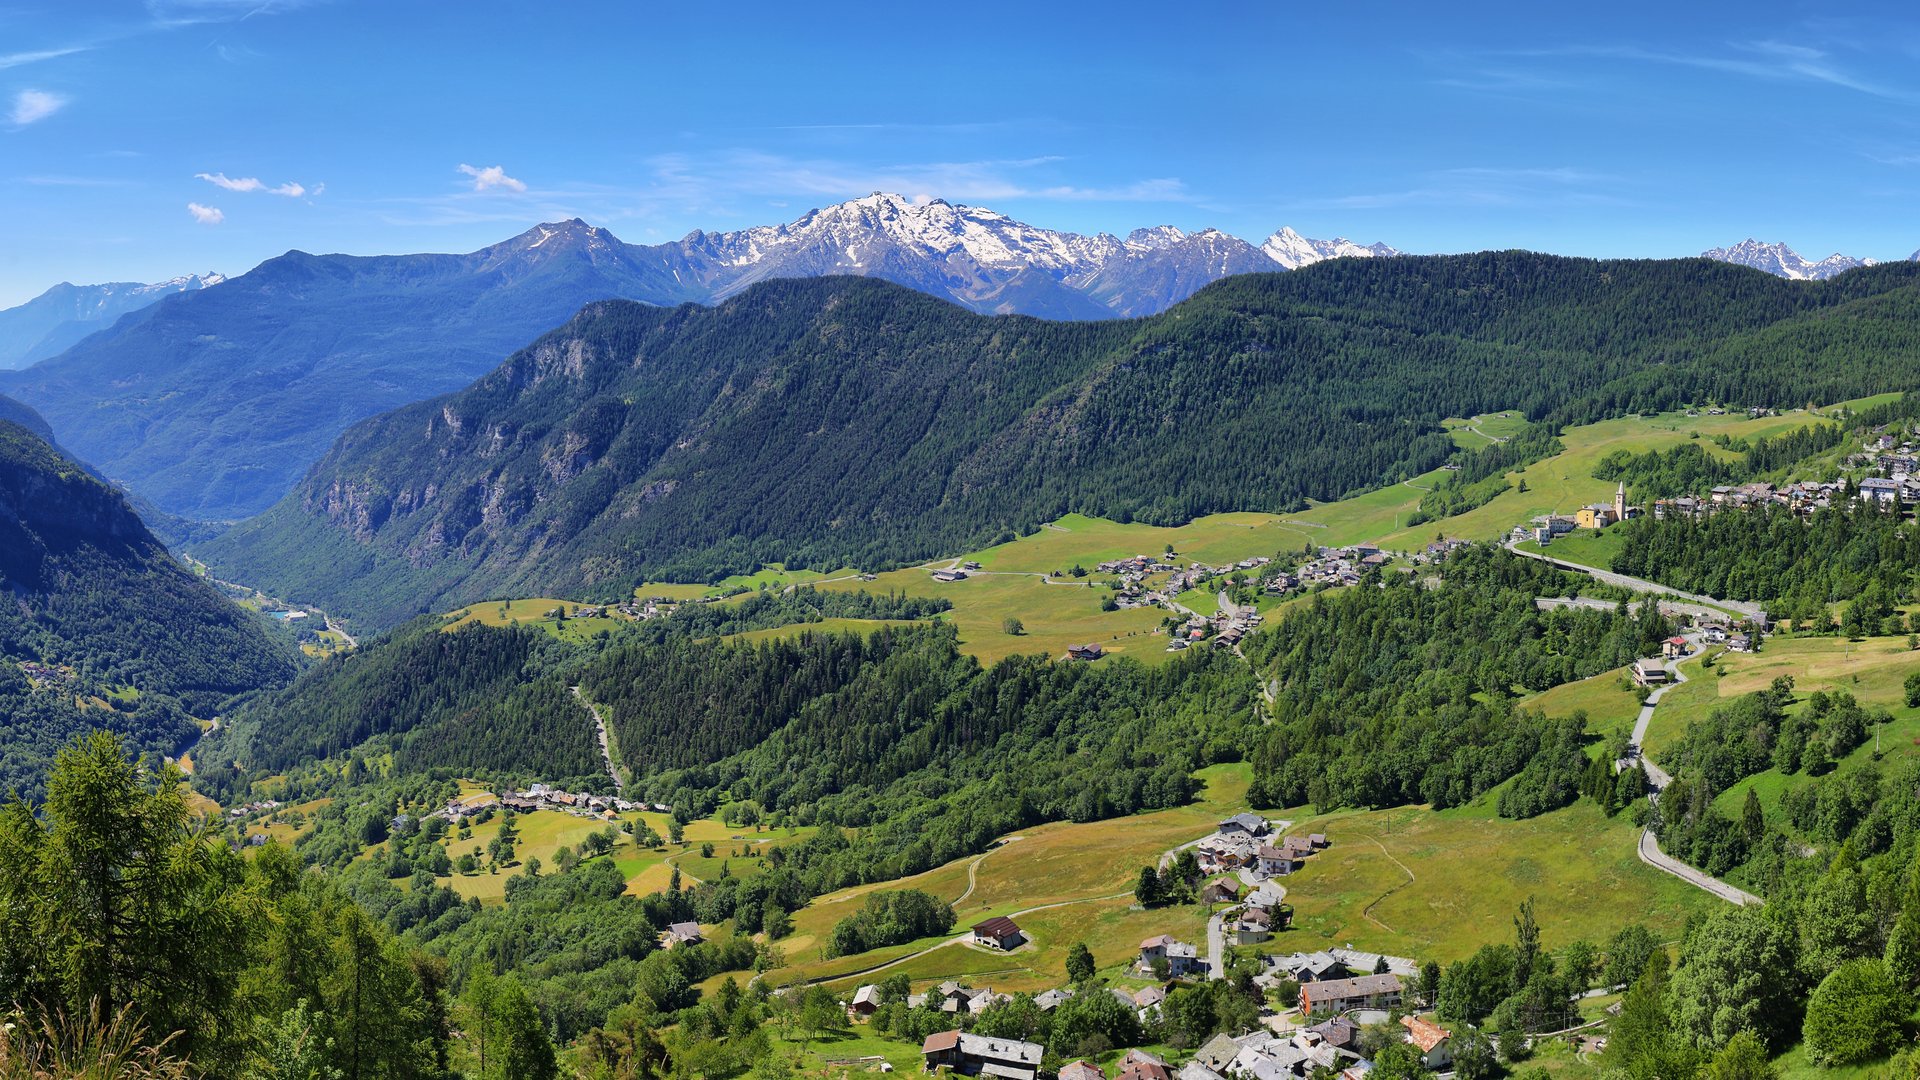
493 176
32 105
206 215
10 60
251 183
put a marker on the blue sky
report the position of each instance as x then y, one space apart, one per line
143 140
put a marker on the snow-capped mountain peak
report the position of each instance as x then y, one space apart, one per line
1782 261
1293 251
1155 238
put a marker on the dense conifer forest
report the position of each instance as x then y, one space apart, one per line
1404 693
102 629
1794 565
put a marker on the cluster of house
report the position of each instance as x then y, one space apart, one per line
43 676
1329 1047
1136 568
262 806
1652 671
1897 467
1802 498
1246 842
1439 550
1197 573
1133 572
1331 966
1332 566
542 797
1754 412
652 607
1899 489
1223 629
949 997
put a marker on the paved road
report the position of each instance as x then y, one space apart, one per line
600 728
1608 577
352 643
1650 852
1217 946
1698 611
186 752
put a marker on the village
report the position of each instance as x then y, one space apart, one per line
1888 456
1322 999
542 797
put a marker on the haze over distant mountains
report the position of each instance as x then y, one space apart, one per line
213 403
53 321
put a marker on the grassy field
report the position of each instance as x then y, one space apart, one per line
1053 615
544 832
1582 546
279 827
532 611
1413 882
1089 869
824 626
1608 699
1408 881
1873 671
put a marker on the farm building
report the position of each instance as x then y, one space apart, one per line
967 1054
998 932
1339 995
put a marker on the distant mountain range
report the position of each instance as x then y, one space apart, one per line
833 421
50 323
986 261
1782 261
212 403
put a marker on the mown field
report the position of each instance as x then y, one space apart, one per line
536 611
1608 699
1053 614
1438 885
1407 881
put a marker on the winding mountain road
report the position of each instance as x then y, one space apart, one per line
1649 848
1626 581
1649 845
600 728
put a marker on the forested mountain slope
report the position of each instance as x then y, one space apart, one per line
101 628
835 421
212 403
